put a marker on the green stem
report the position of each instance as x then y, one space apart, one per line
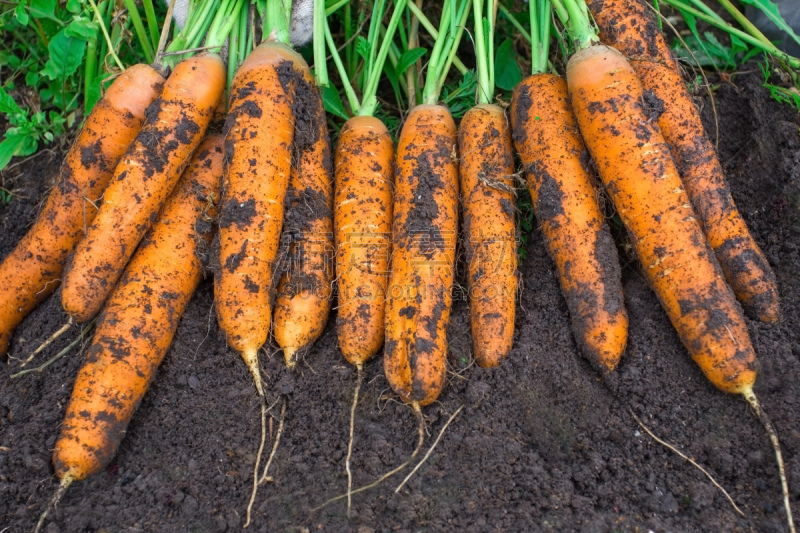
746 24
544 22
333 8
90 71
457 30
352 99
368 97
223 23
233 50
485 90
152 22
746 37
513 20
433 32
111 49
576 20
320 64
138 26
277 21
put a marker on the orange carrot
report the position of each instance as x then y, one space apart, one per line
631 28
303 298
422 266
142 181
486 165
32 271
258 158
640 176
138 322
363 222
565 201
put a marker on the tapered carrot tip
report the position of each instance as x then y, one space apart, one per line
289 354
250 357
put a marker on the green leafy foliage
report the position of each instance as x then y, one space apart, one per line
459 98
773 14
507 71
333 102
781 94
55 62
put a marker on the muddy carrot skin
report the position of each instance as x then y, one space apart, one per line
640 176
258 160
33 270
139 320
363 229
424 228
565 202
175 124
631 28
303 298
487 203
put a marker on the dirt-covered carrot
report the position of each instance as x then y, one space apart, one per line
565 202
636 167
630 27
175 125
488 205
258 160
32 271
363 222
138 322
363 207
424 229
303 298
363 213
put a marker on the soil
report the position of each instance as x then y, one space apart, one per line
543 442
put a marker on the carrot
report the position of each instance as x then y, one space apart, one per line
142 181
631 28
303 298
485 168
636 167
424 229
362 211
32 271
363 222
258 157
641 178
565 202
138 322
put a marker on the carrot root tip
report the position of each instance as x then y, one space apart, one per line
751 398
289 355
251 359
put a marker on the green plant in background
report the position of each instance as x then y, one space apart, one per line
57 61
781 94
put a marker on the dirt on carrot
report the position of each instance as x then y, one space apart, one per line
541 445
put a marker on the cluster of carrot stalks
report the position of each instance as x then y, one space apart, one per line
155 181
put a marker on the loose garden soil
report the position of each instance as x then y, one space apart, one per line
544 443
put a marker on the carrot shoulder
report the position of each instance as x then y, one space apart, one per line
303 298
425 226
142 181
363 229
32 271
139 321
565 202
486 165
640 176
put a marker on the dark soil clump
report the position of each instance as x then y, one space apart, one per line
543 444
